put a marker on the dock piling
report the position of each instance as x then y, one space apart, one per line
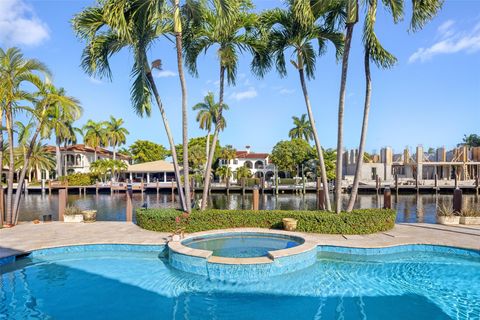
457 200
387 198
62 203
255 198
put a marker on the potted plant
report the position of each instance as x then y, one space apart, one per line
89 215
72 214
181 223
470 216
446 215
289 224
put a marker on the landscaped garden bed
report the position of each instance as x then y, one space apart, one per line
361 221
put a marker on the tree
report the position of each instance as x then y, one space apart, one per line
147 151
207 115
197 158
228 26
224 173
40 159
116 135
61 116
15 72
228 153
302 128
472 140
114 25
374 51
243 172
95 135
288 155
286 33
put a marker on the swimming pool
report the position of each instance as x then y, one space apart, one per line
137 282
243 244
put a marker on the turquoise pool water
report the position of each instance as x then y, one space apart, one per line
243 245
133 282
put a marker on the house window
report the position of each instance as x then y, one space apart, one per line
374 173
235 161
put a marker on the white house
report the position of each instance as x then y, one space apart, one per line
258 163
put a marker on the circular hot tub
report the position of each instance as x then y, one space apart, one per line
241 255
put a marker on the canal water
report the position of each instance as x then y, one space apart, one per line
410 207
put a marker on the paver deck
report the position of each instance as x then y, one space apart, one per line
27 237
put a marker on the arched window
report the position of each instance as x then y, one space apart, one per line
248 164
259 164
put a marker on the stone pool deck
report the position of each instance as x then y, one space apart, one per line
27 237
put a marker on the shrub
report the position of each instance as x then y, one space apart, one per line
72 210
80 179
250 182
362 221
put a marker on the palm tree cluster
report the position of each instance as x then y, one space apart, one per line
110 133
231 28
27 92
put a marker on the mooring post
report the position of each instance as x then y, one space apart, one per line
436 183
158 186
321 199
173 191
457 200
129 210
396 183
243 186
456 180
387 198
255 198
62 203
416 181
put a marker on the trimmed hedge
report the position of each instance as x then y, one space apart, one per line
363 221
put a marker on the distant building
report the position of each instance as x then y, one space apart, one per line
78 157
154 171
258 163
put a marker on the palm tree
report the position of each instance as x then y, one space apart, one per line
286 33
229 26
302 128
243 172
375 52
61 117
95 135
224 173
116 134
114 25
207 115
15 70
40 159
228 153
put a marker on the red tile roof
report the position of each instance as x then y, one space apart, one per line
87 149
251 155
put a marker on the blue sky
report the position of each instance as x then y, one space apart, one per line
431 97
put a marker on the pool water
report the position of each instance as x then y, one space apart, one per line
120 284
243 245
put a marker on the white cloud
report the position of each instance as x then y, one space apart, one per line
93 80
19 25
451 42
163 73
286 91
247 94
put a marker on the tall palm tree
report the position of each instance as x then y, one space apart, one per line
116 134
375 52
15 70
302 128
61 116
230 27
114 25
95 135
207 115
285 33
40 159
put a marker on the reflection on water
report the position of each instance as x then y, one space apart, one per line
410 207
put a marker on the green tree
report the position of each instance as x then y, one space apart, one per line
113 25
15 72
147 151
224 173
95 135
422 12
472 140
302 128
228 153
243 172
286 33
40 159
208 115
228 26
290 154
198 144
116 134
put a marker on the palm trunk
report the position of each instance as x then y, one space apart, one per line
183 84
114 152
11 167
58 156
363 136
170 139
208 170
318 145
208 148
341 106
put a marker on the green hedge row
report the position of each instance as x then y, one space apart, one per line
362 221
80 179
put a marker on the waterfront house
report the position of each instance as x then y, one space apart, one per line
154 171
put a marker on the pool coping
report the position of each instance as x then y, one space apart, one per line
308 245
